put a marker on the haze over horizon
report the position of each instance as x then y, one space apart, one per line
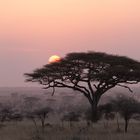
33 30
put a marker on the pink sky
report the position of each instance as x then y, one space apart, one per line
33 30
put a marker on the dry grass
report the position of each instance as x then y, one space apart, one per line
25 131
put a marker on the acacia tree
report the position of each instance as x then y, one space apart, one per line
42 114
71 117
90 73
127 107
107 112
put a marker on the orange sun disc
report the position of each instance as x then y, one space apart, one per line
54 58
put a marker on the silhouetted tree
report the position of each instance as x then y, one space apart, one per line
127 107
30 103
32 116
35 109
91 73
71 117
5 114
42 114
107 111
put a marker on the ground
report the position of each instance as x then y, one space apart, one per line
102 130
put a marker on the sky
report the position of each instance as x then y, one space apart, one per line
33 30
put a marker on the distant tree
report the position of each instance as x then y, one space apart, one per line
5 114
30 103
71 117
16 115
42 114
35 109
31 116
10 112
6 111
107 112
127 107
91 73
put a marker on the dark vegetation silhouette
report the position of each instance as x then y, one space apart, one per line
42 115
5 113
107 112
41 118
126 106
71 117
90 73
36 111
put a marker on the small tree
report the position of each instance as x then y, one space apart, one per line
30 103
31 116
71 117
6 111
91 73
42 114
127 107
107 111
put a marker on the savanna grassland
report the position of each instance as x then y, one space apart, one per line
18 121
103 130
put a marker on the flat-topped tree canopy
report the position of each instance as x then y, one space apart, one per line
91 73
90 67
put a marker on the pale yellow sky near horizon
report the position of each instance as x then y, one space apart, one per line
33 30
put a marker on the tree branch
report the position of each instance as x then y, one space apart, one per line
78 88
126 87
91 89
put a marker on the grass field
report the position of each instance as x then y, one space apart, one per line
25 130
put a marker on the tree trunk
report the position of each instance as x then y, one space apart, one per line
94 115
94 102
43 125
118 124
35 124
126 125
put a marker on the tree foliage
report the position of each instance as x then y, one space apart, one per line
127 107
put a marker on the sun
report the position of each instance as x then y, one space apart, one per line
54 58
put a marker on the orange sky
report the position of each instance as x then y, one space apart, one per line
32 30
